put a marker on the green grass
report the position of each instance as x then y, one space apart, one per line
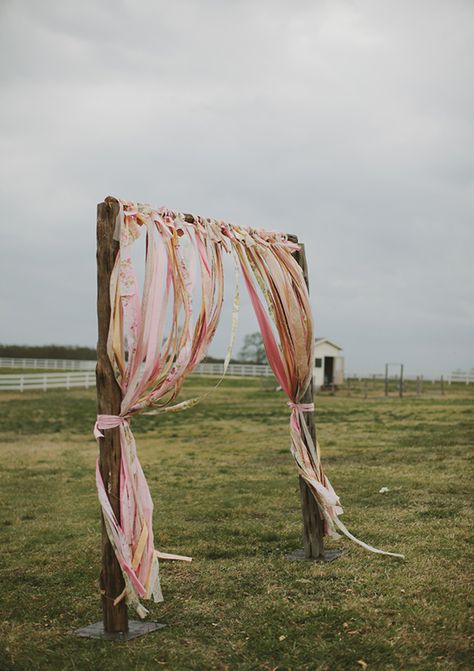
225 491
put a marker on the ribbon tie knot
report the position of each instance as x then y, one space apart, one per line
302 407
107 422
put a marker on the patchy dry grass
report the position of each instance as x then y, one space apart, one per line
225 491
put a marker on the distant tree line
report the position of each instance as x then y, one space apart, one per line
217 359
48 352
253 351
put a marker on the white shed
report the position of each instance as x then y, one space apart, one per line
328 364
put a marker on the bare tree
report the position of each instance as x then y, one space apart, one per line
253 350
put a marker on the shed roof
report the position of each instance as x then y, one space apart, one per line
320 341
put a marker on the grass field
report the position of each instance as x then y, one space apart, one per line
225 491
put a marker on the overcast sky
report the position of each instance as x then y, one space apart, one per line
349 123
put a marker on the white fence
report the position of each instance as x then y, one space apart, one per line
86 376
45 364
240 369
456 376
461 376
86 379
249 370
46 381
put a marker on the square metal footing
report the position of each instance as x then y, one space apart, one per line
327 556
135 629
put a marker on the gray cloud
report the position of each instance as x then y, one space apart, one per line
348 123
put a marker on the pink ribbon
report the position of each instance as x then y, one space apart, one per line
107 422
304 407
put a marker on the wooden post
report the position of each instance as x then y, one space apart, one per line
313 530
109 397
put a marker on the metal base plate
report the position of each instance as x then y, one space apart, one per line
327 556
135 629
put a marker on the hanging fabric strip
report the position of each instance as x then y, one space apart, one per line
283 286
189 403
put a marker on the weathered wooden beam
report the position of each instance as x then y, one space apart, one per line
109 398
313 529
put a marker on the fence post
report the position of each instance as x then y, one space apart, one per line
386 380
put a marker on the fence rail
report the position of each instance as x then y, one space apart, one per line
460 376
86 379
42 364
239 369
456 376
46 381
